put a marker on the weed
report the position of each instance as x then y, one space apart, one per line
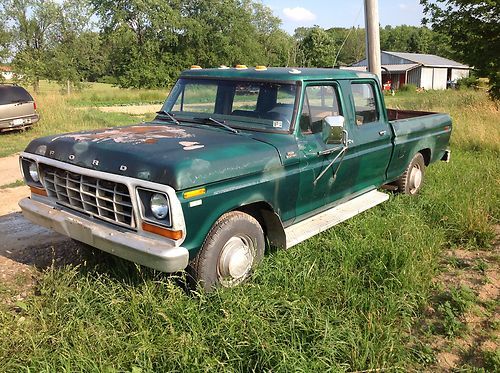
492 360
481 266
424 354
451 306
451 324
12 185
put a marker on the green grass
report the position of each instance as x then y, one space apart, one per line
12 185
344 300
103 94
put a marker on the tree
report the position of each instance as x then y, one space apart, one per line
74 47
152 40
5 38
33 24
473 28
317 48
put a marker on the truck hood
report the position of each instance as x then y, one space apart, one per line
181 156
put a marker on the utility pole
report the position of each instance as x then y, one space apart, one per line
373 37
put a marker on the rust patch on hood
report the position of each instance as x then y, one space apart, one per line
130 135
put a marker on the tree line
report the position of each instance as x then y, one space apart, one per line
146 43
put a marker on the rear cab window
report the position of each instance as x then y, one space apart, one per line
365 103
13 94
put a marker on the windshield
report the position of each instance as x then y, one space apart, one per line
241 104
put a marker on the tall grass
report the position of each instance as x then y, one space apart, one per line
344 300
476 119
101 94
58 116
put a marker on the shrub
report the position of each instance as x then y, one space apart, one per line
408 88
468 82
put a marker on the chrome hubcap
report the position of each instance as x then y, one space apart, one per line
415 178
236 260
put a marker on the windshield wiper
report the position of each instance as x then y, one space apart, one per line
169 115
218 122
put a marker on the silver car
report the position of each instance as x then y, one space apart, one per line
17 108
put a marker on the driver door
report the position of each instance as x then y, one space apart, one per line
320 100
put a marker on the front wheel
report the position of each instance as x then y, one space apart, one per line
411 180
232 249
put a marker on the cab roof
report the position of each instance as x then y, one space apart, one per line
276 74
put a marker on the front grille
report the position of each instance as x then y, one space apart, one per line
104 199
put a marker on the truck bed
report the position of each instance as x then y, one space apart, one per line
417 131
396 114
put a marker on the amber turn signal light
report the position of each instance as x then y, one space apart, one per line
175 235
39 191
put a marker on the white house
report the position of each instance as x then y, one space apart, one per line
6 72
423 70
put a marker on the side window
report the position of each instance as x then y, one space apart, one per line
364 103
319 102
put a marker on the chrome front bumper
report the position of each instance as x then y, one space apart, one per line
150 252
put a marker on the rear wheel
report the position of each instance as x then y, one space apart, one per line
232 249
411 180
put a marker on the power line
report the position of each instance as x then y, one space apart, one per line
348 34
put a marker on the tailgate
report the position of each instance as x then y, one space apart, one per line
16 110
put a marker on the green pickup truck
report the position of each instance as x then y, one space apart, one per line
237 160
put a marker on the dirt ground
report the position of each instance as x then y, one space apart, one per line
461 326
9 169
132 109
24 247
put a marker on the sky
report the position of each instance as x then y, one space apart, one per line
343 13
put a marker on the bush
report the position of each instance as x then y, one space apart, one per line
468 82
408 88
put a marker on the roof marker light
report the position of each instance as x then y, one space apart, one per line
195 67
295 71
241 67
260 68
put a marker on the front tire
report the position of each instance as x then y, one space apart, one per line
232 249
412 179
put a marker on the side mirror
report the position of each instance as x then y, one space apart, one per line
333 129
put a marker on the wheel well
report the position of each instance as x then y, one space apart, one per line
268 220
426 153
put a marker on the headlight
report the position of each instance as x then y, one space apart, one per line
33 169
159 206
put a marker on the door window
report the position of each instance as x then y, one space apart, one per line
319 102
365 103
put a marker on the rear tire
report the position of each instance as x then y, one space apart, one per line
231 251
412 179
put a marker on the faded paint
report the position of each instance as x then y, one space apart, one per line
130 135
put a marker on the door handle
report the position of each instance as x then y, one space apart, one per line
382 133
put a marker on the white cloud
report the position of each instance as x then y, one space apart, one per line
299 14
403 6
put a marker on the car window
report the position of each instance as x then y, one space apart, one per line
245 97
12 94
365 103
197 98
260 106
320 101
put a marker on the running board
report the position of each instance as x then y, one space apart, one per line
309 227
